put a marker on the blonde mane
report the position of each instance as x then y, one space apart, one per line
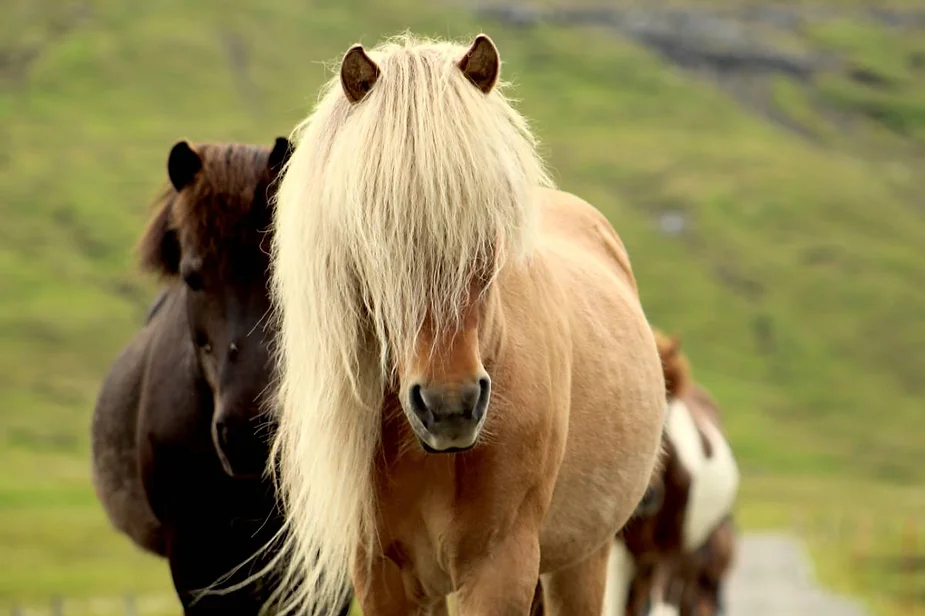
386 210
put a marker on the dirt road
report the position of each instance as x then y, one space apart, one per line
773 577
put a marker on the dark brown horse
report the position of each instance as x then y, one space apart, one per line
179 439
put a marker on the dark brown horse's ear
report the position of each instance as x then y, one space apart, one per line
282 150
482 64
358 73
159 246
183 164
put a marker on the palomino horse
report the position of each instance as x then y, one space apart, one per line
681 548
178 442
422 265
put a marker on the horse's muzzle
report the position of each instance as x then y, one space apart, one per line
448 419
240 448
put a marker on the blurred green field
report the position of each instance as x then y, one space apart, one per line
798 282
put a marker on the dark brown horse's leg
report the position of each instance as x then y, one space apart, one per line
199 558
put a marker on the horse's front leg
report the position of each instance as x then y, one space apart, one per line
381 591
439 608
500 580
578 590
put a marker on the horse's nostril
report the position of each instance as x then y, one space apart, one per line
481 404
460 402
484 390
417 400
419 405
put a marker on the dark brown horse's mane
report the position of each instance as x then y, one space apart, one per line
220 217
678 378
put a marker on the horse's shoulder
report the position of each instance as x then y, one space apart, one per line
114 448
122 405
125 379
157 305
171 378
173 409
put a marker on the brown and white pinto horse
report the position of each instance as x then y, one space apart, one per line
422 265
678 547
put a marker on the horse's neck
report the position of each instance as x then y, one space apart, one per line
705 454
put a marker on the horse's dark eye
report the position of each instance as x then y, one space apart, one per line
203 343
191 272
193 280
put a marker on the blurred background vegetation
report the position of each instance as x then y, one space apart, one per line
762 161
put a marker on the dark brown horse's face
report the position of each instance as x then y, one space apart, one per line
228 329
210 233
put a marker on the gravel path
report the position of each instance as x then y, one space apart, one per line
773 577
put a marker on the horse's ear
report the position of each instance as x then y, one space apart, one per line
482 64
282 149
675 345
358 73
183 164
159 246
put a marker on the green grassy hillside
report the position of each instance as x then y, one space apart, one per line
797 283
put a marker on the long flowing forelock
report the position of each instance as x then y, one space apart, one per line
384 211
437 177
221 217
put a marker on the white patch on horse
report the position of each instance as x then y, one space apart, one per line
620 570
714 480
664 609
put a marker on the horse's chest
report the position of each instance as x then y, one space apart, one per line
413 522
714 476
